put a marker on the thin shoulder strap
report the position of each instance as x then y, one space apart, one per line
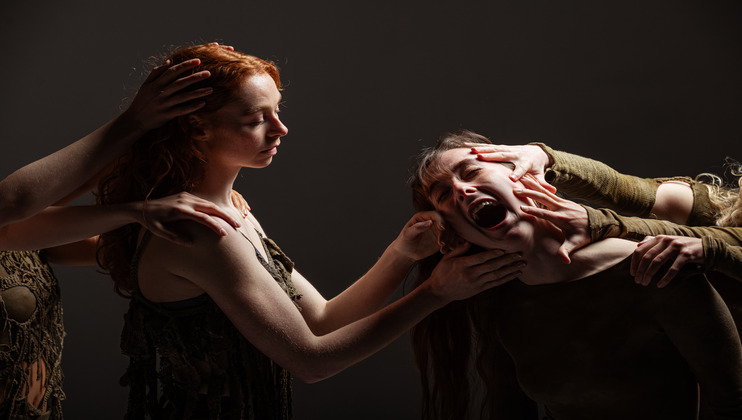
266 262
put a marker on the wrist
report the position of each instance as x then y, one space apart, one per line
548 154
127 128
397 252
433 297
133 212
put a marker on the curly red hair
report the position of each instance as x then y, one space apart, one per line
167 160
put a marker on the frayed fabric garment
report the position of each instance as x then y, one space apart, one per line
600 185
190 362
31 339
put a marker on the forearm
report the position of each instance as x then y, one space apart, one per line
62 225
80 253
604 223
599 184
367 294
352 343
722 246
48 180
722 258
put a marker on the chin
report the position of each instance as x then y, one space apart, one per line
260 164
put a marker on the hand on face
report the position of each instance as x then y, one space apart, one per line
459 276
567 215
421 236
527 159
653 253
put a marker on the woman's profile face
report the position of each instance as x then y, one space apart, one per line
246 132
476 198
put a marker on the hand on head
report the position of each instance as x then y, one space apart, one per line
528 159
460 276
164 95
422 235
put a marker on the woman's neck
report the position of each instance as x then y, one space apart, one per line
543 264
217 187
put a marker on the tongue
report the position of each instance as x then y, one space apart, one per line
489 216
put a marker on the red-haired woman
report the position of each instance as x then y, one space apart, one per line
227 319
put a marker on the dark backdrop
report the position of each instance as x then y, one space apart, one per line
651 87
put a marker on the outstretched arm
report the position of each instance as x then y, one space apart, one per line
265 315
57 226
678 199
39 184
715 248
419 239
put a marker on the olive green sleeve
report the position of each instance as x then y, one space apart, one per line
605 223
722 257
704 212
599 184
722 246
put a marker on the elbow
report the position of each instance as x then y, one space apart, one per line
311 377
13 207
315 371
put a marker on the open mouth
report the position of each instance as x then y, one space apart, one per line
488 214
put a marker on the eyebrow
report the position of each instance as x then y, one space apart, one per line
458 166
258 108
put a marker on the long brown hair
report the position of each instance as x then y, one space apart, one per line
450 344
167 160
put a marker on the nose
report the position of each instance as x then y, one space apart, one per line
462 190
278 129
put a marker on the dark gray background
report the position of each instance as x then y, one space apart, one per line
651 87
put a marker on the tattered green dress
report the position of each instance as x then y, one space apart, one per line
178 350
32 335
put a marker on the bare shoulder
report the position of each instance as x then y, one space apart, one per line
674 201
170 271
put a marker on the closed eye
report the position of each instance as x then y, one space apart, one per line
469 173
442 194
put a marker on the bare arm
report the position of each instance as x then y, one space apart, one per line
420 238
37 185
56 226
232 275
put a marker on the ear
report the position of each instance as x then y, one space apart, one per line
197 127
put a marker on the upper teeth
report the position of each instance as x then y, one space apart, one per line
480 206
